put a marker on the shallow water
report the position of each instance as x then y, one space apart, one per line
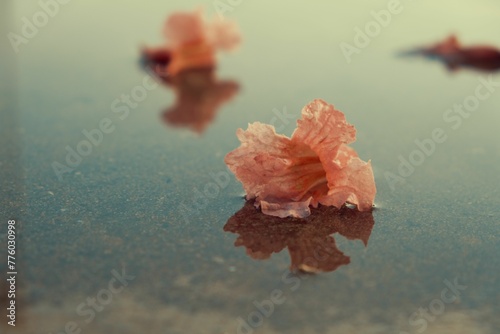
134 202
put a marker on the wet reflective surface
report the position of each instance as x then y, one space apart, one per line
132 234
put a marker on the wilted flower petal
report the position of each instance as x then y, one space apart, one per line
314 166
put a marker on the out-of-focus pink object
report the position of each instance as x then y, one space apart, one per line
454 55
315 166
199 96
192 43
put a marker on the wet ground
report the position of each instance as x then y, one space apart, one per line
139 235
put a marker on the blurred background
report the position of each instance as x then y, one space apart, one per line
131 237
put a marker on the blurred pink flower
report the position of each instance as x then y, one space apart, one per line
192 41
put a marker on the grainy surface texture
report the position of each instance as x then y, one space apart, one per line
153 200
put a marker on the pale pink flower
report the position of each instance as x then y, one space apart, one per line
192 41
315 166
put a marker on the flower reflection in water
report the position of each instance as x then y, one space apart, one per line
199 93
199 96
309 241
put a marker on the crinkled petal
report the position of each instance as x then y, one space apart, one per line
315 166
323 128
350 179
273 169
326 131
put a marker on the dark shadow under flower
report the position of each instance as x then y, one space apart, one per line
309 241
